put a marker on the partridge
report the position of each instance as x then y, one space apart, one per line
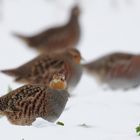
41 69
57 38
117 70
23 105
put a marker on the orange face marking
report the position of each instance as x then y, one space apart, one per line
58 85
58 82
77 60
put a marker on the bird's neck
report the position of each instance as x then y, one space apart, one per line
58 85
73 20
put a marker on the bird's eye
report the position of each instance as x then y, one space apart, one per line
62 78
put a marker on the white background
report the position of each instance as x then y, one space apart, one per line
107 26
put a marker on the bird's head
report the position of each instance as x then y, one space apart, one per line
75 55
76 11
58 82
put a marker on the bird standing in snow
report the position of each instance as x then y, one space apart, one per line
29 102
41 69
57 38
118 70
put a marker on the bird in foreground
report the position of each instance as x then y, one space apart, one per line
57 38
41 69
117 70
29 102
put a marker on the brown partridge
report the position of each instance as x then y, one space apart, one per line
23 105
41 69
117 70
57 38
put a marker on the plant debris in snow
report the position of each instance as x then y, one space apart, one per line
138 129
84 125
60 123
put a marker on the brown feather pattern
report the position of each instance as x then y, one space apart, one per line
23 105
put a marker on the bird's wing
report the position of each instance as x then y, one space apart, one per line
37 66
50 34
127 69
23 96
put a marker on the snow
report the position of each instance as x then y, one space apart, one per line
107 26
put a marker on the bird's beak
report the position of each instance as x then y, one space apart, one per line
83 59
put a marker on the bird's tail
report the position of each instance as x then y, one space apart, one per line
21 37
92 67
10 72
88 66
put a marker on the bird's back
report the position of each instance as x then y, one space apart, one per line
27 103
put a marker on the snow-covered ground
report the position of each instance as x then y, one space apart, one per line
107 26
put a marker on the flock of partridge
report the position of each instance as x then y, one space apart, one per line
50 76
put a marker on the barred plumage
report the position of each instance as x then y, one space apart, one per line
23 105
118 70
41 69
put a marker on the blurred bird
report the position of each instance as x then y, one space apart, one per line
117 70
57 38
41 69
23 105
